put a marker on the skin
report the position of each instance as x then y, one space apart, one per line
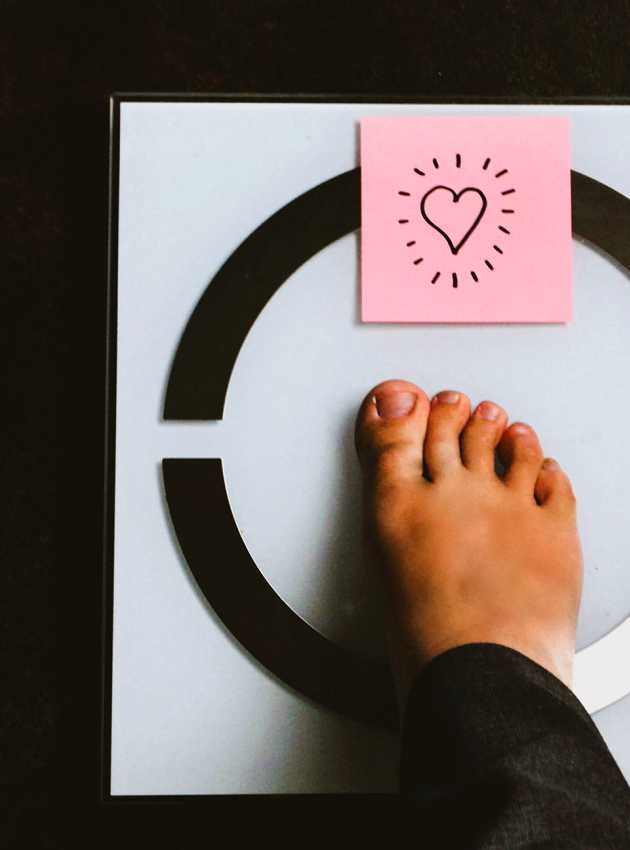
467 555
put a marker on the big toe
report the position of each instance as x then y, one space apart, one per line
390 428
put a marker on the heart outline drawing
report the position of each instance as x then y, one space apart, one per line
456 197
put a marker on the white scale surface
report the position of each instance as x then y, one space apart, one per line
192 713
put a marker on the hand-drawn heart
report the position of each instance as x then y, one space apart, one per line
454 217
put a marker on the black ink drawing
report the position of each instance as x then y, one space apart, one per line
457 240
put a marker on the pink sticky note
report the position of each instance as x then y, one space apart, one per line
465 219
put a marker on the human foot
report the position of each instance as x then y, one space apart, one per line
467 555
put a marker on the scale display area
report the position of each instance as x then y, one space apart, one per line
247 654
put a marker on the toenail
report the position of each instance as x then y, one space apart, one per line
393 404
520 429
488 411
447 397
549 463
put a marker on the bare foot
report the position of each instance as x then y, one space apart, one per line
467 556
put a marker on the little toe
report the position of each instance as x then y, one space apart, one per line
450 410
481 437
553 487
390 429
520 452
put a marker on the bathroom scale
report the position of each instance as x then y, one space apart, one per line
244 636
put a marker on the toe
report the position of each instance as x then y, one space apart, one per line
449 413
481 437
390 429
553 488
520 453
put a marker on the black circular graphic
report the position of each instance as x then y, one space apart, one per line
356 685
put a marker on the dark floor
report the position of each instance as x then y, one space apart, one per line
59 64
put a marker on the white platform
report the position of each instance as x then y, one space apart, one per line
191 713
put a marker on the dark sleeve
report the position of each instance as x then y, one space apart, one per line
498 753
